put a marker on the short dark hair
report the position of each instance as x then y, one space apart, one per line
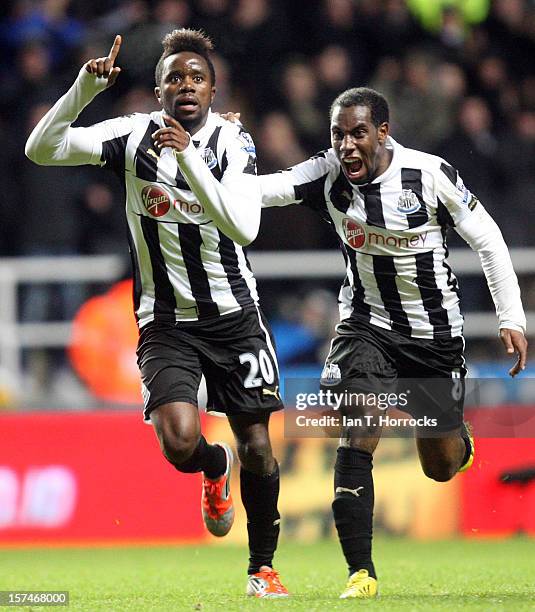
364 96
185 39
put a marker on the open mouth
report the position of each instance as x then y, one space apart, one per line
353 167
187 105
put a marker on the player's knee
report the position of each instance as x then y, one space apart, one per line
177 448
441 471
256 455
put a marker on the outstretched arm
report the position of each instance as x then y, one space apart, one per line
484 236
303 183
53 142
474 224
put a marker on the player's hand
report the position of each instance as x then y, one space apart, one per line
515 342
174 135
230 116
105 66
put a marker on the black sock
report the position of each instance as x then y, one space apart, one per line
208 458
259 495
353 508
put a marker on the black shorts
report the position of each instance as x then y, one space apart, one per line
366 358
235 352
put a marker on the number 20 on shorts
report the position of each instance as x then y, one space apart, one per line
261 363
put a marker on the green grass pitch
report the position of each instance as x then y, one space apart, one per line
454 575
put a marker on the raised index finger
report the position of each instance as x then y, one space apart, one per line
172 122
114 51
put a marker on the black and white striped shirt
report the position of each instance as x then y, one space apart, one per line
393 236
185 267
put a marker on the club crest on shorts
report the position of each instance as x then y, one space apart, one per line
331 374
408 202
209 158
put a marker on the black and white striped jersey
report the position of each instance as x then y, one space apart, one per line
184 266
393 235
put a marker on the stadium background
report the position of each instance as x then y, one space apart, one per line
460 77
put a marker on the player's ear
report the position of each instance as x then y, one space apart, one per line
382 132
158 93
212 95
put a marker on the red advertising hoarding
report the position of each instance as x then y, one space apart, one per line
89 477
493 503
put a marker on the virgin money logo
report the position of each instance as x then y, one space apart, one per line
354 233
357 237
155 200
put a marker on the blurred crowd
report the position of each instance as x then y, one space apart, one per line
459 76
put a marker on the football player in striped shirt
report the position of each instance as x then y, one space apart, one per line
192 203
399 304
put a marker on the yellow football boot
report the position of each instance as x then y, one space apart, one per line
360 586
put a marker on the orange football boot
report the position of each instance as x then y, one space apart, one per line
266 583
216 501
